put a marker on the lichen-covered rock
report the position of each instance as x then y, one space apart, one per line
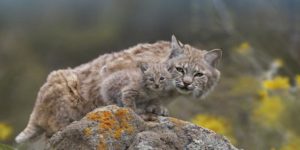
109 127
115 128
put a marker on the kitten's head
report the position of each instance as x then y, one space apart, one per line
193 71
156 76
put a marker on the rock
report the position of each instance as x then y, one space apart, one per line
117 128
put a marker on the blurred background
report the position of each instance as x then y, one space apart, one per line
256 104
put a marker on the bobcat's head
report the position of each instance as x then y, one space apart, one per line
156 76
193 71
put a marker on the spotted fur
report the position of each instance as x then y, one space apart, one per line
69 94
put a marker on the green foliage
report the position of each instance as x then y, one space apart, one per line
5 147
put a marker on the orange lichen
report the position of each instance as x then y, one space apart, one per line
102 144
111 124
106 119
118 132
123 117
99 116
122 112
87 131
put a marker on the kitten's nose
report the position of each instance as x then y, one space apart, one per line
156 86
187 80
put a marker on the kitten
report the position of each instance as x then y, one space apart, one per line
138 89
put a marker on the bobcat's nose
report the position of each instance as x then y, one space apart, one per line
156 86
187 80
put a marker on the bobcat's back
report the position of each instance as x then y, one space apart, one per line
90 75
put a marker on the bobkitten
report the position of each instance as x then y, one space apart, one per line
139 89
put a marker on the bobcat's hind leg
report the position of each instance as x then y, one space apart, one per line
67 100
57 105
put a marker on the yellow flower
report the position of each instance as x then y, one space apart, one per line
278 83
263 94
217 124
5 131
298 81
244 48
244 45
269 110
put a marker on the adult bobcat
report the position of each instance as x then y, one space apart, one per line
69 94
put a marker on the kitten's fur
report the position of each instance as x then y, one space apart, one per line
137 88
69 94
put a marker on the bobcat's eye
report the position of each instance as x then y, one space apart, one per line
151 79
199 74
179 69
161 78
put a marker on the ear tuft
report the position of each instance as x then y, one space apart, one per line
175 43
176 47
213 57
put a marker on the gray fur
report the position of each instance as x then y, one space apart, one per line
136 87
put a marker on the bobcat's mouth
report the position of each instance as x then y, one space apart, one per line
184 89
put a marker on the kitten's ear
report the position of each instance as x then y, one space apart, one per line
176 47
213 57
143 66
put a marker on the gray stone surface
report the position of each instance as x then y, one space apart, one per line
116 128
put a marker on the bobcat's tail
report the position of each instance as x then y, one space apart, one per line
30 132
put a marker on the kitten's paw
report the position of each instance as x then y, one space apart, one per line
163 111
149 117
158 110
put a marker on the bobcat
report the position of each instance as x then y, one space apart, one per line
138 88
69 94
194 71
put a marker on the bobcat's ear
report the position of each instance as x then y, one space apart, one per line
176 47
213 57
143 66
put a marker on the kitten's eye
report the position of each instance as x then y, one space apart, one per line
151 79
199 74
161 78
179 69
